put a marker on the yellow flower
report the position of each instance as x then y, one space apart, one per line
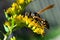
25 19
12 9
7 23
19 17
36 24
14 16
30 20
8 10
29 1
14 5
39 31
32 23
33 28
20 1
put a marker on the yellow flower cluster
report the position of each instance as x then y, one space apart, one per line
7 23
13 9
20 1
19 19
17 7
32 24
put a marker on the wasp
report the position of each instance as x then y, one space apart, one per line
37 17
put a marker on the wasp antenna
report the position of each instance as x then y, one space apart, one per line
46 8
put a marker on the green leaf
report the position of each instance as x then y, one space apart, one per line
6 28
13 38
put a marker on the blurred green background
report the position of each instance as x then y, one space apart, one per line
52 16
